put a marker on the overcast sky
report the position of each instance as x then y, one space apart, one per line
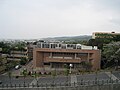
26 19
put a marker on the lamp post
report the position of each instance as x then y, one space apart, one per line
71 65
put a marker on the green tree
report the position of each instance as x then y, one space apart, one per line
24 72
5 47
86 65
111 54
66 72
23 61
116 38
36 77
96 42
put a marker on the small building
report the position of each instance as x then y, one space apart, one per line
107 35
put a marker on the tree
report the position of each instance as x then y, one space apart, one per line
23 61
24 72
66 72
116 38
86 65
96 42
5 47
36 77
111 54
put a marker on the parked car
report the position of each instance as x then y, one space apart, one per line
17 67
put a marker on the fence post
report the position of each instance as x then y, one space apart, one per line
112 81
97 82
37 85
117 81
103 82
93 82
15 85
74 84
81 82
28 84
24 84
60 84
19 85
10 85
41 85
6 85
32 85
84 82
45 86
107 81
2 86
54 84
88 82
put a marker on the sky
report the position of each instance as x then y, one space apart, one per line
32 19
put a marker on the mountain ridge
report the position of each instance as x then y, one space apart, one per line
68 38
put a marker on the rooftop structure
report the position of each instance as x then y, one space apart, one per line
64 46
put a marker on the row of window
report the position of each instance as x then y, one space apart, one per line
63 46
60 53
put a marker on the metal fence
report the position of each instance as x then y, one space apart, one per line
92 87
82 85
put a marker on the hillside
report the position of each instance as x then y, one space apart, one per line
69 38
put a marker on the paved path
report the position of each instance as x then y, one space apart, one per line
113 77
28 66
73 80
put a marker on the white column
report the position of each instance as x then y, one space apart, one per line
49 45
76 46
57 45
66 46
41 45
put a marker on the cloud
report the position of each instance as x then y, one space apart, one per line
45 18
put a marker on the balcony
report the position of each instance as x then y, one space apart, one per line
62 60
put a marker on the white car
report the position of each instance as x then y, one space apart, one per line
17 67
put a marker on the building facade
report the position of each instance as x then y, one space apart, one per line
17 55
56 55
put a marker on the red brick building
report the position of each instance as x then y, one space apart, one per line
57 55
